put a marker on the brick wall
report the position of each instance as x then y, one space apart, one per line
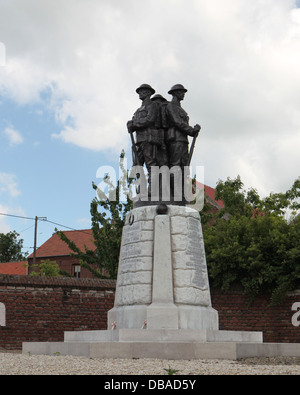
41 309
235 313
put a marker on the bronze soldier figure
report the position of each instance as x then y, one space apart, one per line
178 132
144 123
161 124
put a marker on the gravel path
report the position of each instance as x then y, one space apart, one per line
18 364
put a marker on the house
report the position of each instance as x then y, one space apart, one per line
212 206
57 250
210 198
15 268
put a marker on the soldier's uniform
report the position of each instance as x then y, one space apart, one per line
177 134
177 141
162 127
147 135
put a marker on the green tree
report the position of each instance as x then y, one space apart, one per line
46 268
256 247
108 213
239 202
11 247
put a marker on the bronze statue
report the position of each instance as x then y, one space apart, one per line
177 141
162 129
144 123
179 129
162 156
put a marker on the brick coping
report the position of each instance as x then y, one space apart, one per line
56 282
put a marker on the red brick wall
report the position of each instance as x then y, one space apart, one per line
236 313
41 309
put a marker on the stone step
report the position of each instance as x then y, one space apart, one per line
163 335
164 350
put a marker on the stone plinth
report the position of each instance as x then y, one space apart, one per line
162 344
162 278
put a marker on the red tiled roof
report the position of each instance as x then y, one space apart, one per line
210 192
56 247
17 268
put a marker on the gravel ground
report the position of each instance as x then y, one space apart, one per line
18 364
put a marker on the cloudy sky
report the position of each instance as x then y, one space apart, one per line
68 74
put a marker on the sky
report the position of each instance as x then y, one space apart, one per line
68 74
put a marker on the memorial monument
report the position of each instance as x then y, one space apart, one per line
162 279
162 305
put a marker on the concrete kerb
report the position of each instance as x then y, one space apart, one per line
164 350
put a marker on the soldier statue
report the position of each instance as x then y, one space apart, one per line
162 129
144 123
178 132
162 155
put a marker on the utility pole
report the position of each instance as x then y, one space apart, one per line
35 237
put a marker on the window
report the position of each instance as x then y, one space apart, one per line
76 271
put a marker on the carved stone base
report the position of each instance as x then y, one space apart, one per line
162 276
163 316
164 344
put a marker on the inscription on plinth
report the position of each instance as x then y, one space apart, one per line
196 254
191 284
132 234
144 255
134 283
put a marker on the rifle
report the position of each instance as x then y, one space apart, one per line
193 147
134 150
135 158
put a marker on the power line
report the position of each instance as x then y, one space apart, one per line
54 223
17 216
36 219
67 227
42 219
24 230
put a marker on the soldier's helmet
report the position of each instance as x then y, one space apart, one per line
145 86
177 87
158 97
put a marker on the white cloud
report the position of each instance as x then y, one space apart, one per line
13 135
9 190
8 184
2 54
5 226
240 61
